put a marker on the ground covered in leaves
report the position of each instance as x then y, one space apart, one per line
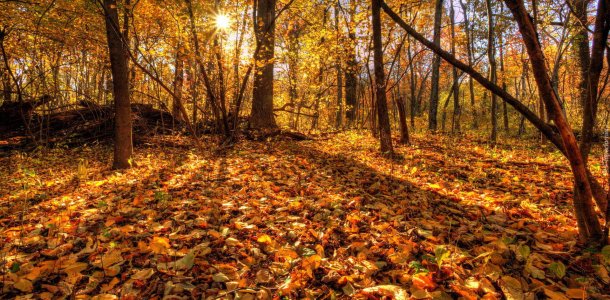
320 219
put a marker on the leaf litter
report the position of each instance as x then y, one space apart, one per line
321 219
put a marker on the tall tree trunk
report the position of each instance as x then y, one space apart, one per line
455 121
491 55
178 82
502 71
117 49
434 101
468 33
402 116
339 114
262 95
193 90
412 86
595 67
581 47
351 80
6 86
385 133
293 72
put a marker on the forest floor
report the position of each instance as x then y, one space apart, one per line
328 218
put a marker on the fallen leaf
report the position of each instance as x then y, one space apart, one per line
220 277
554 295
143 274
576 294
393 291
159 245
511 287
24 285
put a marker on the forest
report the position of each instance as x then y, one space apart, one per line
305 149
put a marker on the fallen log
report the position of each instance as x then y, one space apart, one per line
260 135
89 123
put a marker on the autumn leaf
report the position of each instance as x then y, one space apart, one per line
264 239
186 262
159 245
24 285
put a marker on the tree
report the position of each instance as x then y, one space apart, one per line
585 184
351 79
493 75
468 33
178 82
339 113
385 134
588 223
434 101
117 49
457 111
262 94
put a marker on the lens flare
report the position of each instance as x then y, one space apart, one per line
223 22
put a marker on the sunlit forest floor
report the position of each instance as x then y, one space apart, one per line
454 218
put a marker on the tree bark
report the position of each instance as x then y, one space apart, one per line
351 80
339 114
493 76
595 67
434 101
178 82
402 116
385 134
117 49
581 46
468 33
455 122
262 101
588 223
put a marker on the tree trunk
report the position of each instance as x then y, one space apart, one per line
433 111
402 115
178 82
339 113
581 47
455 121
117 49
595 67
6 86
588 223
502 71
385 133
491 56
262 95
468 33
540 124
351 80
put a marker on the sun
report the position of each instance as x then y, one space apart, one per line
223 22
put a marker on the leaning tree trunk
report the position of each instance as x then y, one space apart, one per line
588 223
123 143
262 95
565 141
385 133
